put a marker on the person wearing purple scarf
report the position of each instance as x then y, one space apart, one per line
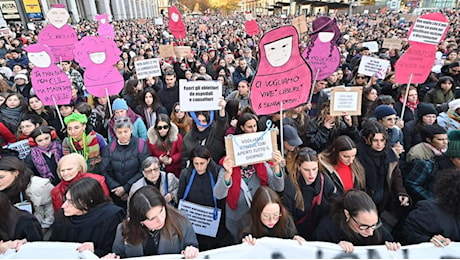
45 153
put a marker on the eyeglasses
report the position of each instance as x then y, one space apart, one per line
392 118
121 120
366 227
161 127
149 171
268 216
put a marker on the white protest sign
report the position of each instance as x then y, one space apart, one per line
251 148
49 250
201 217
147 68
428 31
22 147
373 46
199 95
158 21
346 99
371 66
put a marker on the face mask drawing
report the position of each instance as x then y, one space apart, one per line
279 52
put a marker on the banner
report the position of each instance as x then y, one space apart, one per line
48 250
147 68
251 148
199 95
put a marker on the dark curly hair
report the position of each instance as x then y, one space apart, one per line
446 191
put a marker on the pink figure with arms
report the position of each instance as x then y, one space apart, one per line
104 28
322 54
176 25
282 75
419 58
98 55
58 35
251 25
49 82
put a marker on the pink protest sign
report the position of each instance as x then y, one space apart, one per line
49 82
282 74
176 25
104 28
98 55
418 60
58 36
322 54
251 26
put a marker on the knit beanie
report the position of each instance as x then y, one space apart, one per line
75 117
453 147
383 111
424 108
119 103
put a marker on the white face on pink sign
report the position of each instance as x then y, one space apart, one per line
58 16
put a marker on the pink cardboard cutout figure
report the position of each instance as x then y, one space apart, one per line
98 55
104 29
282 74
58 36
251 26
48 80
322 54
176 25
419 58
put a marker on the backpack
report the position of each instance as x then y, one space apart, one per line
140 145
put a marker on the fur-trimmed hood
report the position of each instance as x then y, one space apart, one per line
153 136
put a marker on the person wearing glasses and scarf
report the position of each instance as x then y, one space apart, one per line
122 160
83 141
354 221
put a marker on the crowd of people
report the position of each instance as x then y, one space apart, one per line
110 172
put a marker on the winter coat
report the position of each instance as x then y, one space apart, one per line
168 184
176 147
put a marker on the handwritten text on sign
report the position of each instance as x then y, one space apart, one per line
199 95
147 68
370 66
51 84
346 99
201 218
428 31
252 148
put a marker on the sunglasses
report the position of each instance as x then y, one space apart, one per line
161 127
360 77
121 120
177 110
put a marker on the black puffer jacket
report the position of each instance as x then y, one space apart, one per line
122 166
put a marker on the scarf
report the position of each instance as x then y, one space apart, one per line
150 117
90 149
130 114
453 115
11 116
411 105
436 151
39 161
234 191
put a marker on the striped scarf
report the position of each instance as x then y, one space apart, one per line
88 147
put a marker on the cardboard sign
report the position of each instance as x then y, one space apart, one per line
428 31
408 17
22 147
371 66
373 46
251 148
166 51
159 21
147 68
202 27
282 75
182 51
322 53
346 100
99 55
201 217
391 43
300 23
199 95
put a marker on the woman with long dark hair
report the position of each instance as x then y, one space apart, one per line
150 107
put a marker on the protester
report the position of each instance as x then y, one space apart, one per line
181 119
121 110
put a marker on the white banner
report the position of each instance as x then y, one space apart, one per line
371 66
199 95
428 31
201 217
48 250
22 147
147 68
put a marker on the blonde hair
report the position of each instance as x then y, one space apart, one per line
78 159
